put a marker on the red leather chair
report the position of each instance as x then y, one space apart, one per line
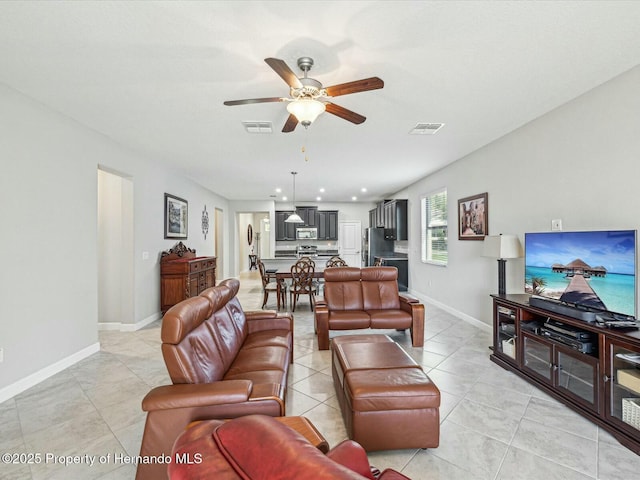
258 447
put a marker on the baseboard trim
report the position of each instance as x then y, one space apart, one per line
456 313
129 327
29 381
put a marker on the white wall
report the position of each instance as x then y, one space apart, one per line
579 163
49 276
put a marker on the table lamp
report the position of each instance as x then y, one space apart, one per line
502 247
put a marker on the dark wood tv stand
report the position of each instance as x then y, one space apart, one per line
603 385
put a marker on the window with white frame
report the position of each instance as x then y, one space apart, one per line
434 227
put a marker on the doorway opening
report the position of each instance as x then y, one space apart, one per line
254 238
115 251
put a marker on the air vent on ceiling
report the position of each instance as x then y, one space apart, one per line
426 128
258 127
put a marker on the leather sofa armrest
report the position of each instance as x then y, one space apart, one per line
351 455
408 298
390 474
188 395
416 310
258 321
321 320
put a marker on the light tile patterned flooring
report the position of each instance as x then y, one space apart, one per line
493 424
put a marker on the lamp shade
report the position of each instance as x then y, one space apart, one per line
294 218
306 110
502 246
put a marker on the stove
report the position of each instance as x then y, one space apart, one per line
307 250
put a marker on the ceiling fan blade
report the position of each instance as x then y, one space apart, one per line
363 85
290 125
253 100
282 69
342 112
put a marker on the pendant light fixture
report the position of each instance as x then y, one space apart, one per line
294 217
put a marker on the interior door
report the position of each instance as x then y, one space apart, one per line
350 242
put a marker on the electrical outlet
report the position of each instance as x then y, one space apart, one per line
556 224
1 355
145 255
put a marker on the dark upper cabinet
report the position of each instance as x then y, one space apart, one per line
325 221
328 225
284 230
392 216
309 215
395 220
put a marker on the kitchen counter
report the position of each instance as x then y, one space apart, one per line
398 256
400 262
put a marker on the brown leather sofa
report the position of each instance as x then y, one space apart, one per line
357 298
223 362
256 447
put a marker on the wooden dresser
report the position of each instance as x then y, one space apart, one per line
184 275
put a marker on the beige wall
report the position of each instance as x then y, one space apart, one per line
579 163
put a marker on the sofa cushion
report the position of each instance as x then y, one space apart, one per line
260 358
390 319
189 350
348 319
342 290
380 288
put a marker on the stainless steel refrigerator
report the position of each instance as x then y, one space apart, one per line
375 245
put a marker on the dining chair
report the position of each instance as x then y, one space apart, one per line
270 284
336 261
302 282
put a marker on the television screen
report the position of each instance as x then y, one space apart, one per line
590 269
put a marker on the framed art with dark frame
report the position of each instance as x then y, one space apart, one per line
176 217
473 217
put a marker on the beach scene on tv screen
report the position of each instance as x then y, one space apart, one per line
592 269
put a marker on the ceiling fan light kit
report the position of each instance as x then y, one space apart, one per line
306 110
307 97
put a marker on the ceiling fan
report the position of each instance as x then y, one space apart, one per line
308 98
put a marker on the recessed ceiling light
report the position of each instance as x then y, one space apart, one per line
258 127
318 198
354 198
321 190
284 199
363 190
278 190
426 128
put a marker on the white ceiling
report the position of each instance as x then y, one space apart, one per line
153 76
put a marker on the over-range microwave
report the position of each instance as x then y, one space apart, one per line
306 233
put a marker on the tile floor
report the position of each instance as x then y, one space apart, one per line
493 424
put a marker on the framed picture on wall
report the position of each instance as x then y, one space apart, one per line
473 217
176 217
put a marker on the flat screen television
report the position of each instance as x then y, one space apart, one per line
595 269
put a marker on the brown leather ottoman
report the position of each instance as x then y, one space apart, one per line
387 400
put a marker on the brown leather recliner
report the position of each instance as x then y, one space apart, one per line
256 447
223 362
357 298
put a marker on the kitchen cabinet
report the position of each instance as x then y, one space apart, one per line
309 216
284 230
372 218
395 220
327 225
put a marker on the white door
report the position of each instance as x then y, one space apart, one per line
350 240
